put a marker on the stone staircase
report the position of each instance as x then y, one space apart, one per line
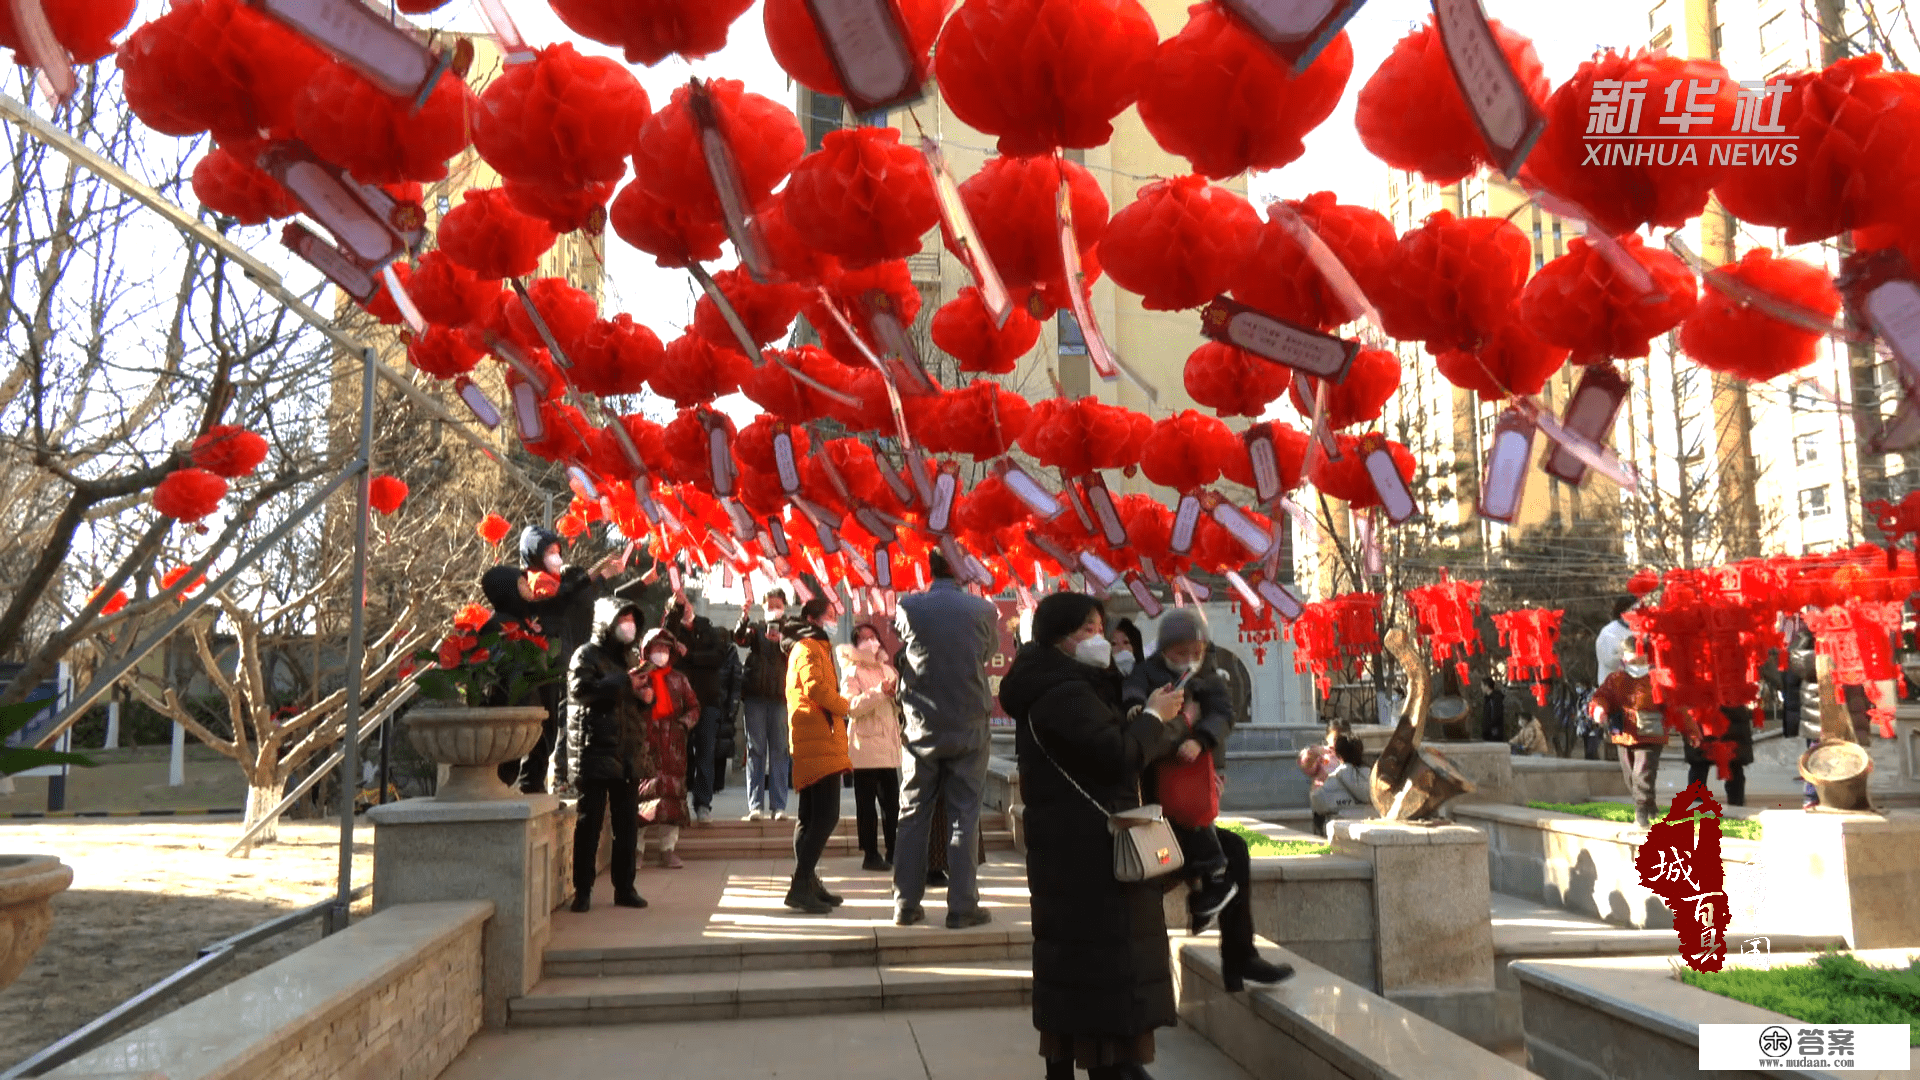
769 839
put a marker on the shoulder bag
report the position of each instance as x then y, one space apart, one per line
1144 846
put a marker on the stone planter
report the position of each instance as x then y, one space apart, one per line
27 885
473 743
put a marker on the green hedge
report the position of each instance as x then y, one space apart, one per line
1258 844
1737 828
1835 989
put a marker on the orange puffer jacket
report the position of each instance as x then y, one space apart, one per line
816 711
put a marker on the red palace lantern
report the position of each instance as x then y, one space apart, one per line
564 209
964 330
1447 610
562 121
1410 113
442 353
1015 206
614 356
1281 280
863 197
670 162
1085 434
1729 335
229 451
672 234
1580 300
796 45
217 65
228 184
1187 451
767 311
450 294
488 236
652 31
84 28
189 494
1180 243
386 493
1232 381
1510 360
694 371
1529 635
1360 397
982 420
379 138
1451 280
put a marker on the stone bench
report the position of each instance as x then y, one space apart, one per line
1566 780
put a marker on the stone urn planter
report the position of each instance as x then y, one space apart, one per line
473 743
27 887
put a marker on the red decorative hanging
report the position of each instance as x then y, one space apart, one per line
614 356
674 236
85 28
1724 334
562 121
863 197
1289 452
754 444
381 304
1347 479
1446 611
228 451
1082 435
1180 243
1219 97
567 311
1511 360
189 494
1707 634
1279 279
1529 635
380 138
1450 281
219 66
671 165
982 420
694 371
1015 206
442 353
1856 637
871 410
1186 451
767 310
488 236
386 493
792 258
774 389
230 185
564 209
1232 381
1256 628
853 292
652 31
1581 301
964 330
1410 113
493 528
450 294
797 48
1044 74
1360 397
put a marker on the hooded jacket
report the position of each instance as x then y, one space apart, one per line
873 727
813 701
606 723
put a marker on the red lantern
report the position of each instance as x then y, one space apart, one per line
381 304
793 259
172 577
488 236
797 48
219 66
1232 381
614 356
990 508
1727 335
687 445
773 387
982 420
1180 243
1581 301
871 411
380 138
1411 115
493 528
1219 97
1186 450
85 28
1359 398
863 197
229 185
854 462
1279 279
564 210
189 494
450 294
567 311
854 292
1014 203
964 330
442 353
1512 360
694 371
671 165
1620 198
1450 281
386 493
1289 453
673 236
563 121
1316 644
1447 610
1082 435
1529 635
228 451
115 604
767 310
655 30
754 445
1347 479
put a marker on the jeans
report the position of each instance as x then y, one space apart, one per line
819 816
876 805
769 762
960 779
1736 779
1641 765
598 799
700 757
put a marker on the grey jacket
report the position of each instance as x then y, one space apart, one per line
948 636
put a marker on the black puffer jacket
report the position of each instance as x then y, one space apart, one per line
766 677
606 722
1100 965
732 672
707 649
1206 689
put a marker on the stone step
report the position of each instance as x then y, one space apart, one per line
725 995
1264 779
703 844
851 947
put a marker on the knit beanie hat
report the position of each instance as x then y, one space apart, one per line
1177 627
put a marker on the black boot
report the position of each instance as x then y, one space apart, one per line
1061 1069
873 861
820 890
629 898
582 900
801 897
1205 903
1255 970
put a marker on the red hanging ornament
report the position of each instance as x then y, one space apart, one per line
1186 450
773 387
793 259
964 330
671 164
652 31
614 356
754 445
871 410
449 294
567 311
1360 397
189 494
386 493
381 304
989 509
1347 479
854 292
796 45
85 28
1279 279
1529 635
673 236
219 66
694 371
1179 243
493 528
1232 381
1015 206
1410 113
115 604
687 446
1316 644
488 236
1082 435
228 451
1727 335
863 197
1447 610
982 420
767 310
1581 301
853 460
564 209
442 353
1512 360
380 138
1289 455
1219 97
230 185
1450 280
1044 74
562 121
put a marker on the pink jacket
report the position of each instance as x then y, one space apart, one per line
873 733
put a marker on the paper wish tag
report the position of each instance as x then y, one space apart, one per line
1270 338
1096 569
871 51
1296 30
961 231
946 489
1199 593
388 55
724 169
1098 352
1880 289
1185 519
43 50
885 323
859 564
1589 415
744 528
1332 270
883 566
895 479
1104 512
340 268
329 197
719 453
1245 591
1266 462
477 402
1901 431
1228 516
526 413
1052 550
784 461
1508 119
1504 479
582 483
1285 598
1028 490
876 524
1395 497
1150 605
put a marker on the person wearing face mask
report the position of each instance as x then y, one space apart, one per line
607 750
1624 704
764 699
816 715
703 654
672 711
1127 647
1102 981
869 683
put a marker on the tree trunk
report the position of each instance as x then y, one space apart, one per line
263 794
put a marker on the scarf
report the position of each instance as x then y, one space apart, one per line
662 695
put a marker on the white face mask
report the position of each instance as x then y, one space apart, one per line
624 632
870 646
1190 666
659 657
1124 661
555 563
775 615
1094 652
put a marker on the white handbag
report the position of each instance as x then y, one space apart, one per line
1144 846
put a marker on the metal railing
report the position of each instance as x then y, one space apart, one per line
212 958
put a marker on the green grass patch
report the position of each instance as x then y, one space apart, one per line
1266 845
1736 828
1835 989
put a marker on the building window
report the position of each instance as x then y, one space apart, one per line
824 113
1800 397
1068 330
1773 32
1813 503
1559 246
1806 449
444 204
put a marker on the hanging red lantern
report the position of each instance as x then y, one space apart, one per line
1079 436
1014 204
189 494
564 210
673 236
655 30
1512 360
1219 97
493 528
1232 381
1279 279
1289 455
562 121
1180 243
1360 397
442 353
964 330
793 259
671 165
219 66
566 311
1347 479
853 460
229 451
386 493
1619 198
381 305
1727 335
449 294
863 197
614 356
1450 280
488 236
693 371
767 310
1580 300
84 28
1316 644
229 185
687 445
1186 450
649 439
1043 74
774 388
989 509
1446 611
1529 635
796 45
1410 113
115 604
854 292
871 410
983 419
380 138
754 445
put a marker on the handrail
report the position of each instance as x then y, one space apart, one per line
211 958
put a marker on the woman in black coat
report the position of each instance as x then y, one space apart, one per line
1102 981
607 750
